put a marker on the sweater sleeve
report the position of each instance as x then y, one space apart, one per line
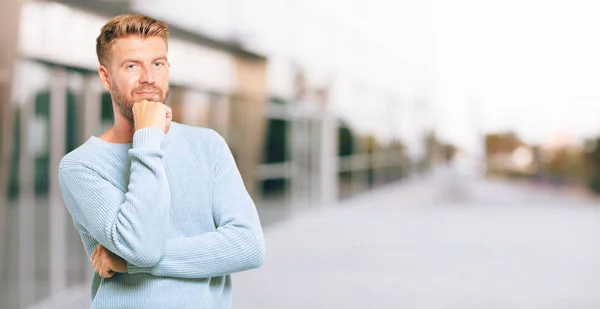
131 223
238 242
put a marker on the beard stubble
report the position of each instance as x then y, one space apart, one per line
125 103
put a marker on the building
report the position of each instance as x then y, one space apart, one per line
58 103
293 150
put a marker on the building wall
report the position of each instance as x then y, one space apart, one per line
249 116
64 35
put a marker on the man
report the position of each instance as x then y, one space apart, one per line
160 207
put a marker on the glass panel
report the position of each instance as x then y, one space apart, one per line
75 101
301 149
28 245
106 113
40 133
13 178
275 195
77 259
345 185
276 143
346 148
28 236
346 141
39 143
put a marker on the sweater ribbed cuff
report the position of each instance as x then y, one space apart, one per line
148 138
132 269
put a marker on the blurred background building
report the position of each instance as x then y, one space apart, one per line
307 128
322 102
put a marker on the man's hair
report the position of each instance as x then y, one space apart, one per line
126 25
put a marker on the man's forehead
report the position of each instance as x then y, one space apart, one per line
139 45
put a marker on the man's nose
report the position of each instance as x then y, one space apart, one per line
147 75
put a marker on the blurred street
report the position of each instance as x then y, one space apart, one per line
444 241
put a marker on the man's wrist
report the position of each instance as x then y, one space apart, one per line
148 138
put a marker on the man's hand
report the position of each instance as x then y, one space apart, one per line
106 263
149 114
169 118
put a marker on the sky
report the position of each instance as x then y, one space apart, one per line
529 66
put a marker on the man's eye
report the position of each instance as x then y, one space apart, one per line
158 64
131 66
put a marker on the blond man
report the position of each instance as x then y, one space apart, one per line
160 207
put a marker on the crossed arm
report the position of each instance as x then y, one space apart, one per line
130 232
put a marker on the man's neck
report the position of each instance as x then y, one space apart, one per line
120 133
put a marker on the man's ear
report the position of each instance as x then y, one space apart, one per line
103 72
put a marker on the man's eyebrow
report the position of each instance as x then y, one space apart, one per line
138 61
129 60
160 58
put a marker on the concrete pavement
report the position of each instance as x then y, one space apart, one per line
444 242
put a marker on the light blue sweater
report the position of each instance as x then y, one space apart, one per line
174 207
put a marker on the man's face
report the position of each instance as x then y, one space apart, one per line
137 69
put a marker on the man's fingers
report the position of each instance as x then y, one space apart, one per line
101 269
101 262
104 269
93 255
96 264
106 273
96 251
98 260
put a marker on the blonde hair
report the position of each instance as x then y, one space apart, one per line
125 25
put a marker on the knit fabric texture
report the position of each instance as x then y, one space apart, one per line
174 206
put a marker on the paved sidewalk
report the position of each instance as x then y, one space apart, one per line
431 244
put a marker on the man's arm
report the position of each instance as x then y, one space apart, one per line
237 244
128 224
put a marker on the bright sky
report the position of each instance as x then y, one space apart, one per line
532 66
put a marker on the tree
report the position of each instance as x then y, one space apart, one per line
592 162
501 143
